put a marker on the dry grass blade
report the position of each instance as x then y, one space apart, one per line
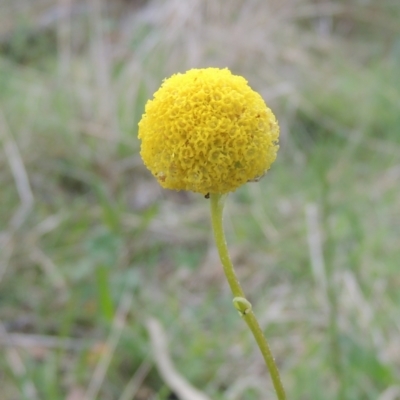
238 389
48 224
391 393
7 247
17 366
64 30
111 344
102 68
134 384
52 272
48 342
23 188
19 173
183 389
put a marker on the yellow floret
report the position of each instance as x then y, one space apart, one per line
207 131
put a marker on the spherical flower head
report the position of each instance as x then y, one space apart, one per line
207 131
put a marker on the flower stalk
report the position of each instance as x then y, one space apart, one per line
240 302
208 132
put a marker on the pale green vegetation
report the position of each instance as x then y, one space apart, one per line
84 225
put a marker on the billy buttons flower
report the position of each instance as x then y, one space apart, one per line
207 131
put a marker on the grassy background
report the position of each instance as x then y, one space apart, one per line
91 247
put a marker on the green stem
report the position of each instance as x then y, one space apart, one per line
240 302
104 292
336 350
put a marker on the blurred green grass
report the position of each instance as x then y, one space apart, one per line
100 227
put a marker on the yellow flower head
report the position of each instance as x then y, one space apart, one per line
207 131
